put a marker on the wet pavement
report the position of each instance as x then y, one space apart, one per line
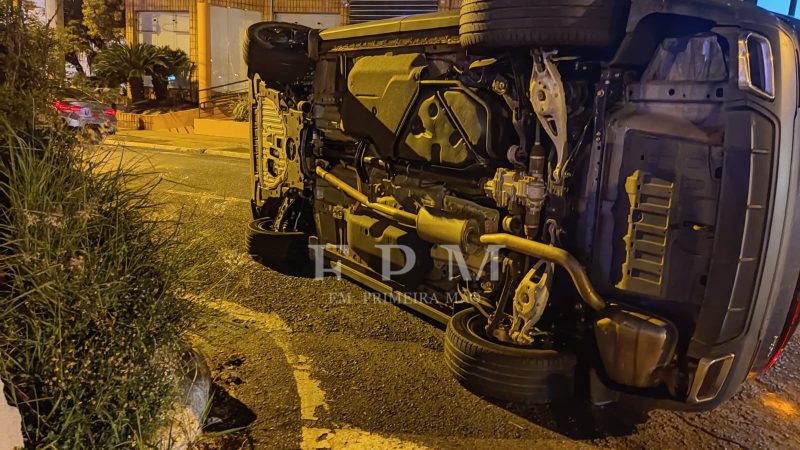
302 363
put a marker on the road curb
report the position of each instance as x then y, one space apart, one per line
175 148
227 153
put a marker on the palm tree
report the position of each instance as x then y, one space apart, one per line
174 63
129 64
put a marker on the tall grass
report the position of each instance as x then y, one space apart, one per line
89 319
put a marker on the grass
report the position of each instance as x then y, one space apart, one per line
90 318
241 109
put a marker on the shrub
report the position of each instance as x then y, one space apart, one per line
88 286
129 63
31 68
241 109
175 63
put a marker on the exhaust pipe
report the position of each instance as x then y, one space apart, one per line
404 217
518 244
554 255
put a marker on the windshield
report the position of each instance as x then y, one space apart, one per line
787 7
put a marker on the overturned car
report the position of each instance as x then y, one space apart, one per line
595 197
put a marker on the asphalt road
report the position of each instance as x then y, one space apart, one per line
322 364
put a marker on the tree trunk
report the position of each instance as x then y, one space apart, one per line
136 89
73 59
161 88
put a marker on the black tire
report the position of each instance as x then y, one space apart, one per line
528 23
505 372
277 52
273 248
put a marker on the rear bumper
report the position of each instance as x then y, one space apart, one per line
78 122
756 259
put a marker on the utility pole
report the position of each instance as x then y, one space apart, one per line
203 51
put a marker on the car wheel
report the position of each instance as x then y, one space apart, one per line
276 248
579 23
277 51
502 371
92 134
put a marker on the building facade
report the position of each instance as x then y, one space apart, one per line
211 31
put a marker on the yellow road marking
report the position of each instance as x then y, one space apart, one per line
308 389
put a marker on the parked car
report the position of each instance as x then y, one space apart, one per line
81 111
597 199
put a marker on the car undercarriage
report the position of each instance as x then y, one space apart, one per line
598 204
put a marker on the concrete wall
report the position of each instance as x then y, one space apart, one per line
222 128
267 8
132 7
165 121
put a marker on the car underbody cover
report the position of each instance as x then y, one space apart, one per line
446 121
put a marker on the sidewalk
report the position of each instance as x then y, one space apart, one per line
175 142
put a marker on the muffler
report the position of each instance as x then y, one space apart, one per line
443 230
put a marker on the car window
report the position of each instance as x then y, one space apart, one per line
778 6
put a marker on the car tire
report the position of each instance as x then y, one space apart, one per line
277 52
523 23
276 248
505 372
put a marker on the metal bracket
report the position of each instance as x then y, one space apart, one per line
550 104
607 92
530 300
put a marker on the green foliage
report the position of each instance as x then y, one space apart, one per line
104 19
129 63
88 282
241 109
121 62
90 26
174 62
31 68
89 319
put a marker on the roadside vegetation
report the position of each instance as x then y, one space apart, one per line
90 320
130 63
241 109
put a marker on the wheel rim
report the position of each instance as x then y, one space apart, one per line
476 327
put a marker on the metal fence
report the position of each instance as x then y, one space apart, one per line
220 100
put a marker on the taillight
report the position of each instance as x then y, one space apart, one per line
791 325
65 107
110 112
